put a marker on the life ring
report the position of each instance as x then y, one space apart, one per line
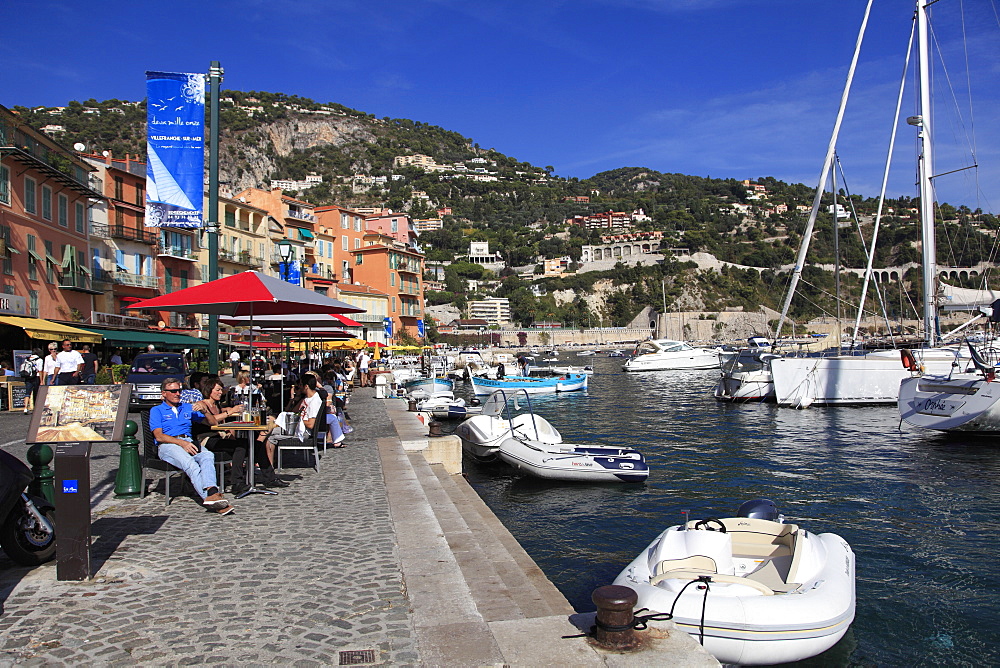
909 361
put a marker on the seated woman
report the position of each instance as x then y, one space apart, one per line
245 391
237 445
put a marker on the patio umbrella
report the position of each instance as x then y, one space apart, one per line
249 293
299 320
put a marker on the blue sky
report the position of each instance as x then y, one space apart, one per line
720 88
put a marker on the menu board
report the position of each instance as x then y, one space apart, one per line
17 396
66 413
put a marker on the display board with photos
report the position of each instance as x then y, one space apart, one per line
67 413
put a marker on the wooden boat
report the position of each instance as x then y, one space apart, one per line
531 385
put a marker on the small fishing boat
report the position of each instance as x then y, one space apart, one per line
617 353
561 370
445 406
482 434
764 592
530 384
429 385
586 353
667 355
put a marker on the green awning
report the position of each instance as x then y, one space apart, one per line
305 235
162 340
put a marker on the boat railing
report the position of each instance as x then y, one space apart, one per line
494 406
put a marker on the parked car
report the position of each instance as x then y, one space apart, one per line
147 372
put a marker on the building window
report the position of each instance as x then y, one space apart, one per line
63 210
230 218
357 224
184 279
32 267
357 243
392 278
345 243
8 264
345 271
119 188
393 304
4 185
30 198
50 265
394 225
168 279
46 203
140 194
81 217
33 303
344 223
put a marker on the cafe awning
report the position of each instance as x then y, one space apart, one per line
36 328
162 340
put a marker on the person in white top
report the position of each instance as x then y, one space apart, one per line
70 364
234 361
50 367
363 361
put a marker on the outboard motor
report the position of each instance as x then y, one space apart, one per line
760 509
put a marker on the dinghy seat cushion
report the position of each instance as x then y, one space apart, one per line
696 562
685 574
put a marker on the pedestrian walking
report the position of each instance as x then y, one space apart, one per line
31 372
50 366
234 362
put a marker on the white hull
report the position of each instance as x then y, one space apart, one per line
777 593
874 378
482 434
964 402
574 463
745 386
667 355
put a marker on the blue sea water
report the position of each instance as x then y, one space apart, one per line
921 510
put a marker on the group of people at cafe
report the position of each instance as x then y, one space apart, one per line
65 364
182 425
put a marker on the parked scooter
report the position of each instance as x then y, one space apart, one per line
27 530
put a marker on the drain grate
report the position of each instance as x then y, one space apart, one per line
355 657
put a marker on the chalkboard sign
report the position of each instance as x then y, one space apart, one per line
17 396
4 398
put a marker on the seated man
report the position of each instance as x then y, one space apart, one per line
171 426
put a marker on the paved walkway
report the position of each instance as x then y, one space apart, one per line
379 558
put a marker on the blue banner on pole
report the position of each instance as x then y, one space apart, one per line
387 323
294 275
175 149
420 327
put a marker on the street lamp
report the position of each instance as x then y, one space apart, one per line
284 248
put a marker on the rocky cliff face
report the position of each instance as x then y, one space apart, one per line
248 157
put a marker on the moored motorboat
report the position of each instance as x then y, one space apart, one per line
482 434
765 592
530 384
617 353
429 385
573 462
445 406
667 354
747 377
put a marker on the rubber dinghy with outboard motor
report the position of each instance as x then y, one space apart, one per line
482 434
572 462
751 589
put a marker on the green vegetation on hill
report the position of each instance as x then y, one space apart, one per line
522 213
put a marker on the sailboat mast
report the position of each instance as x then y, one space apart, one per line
800 260
926 171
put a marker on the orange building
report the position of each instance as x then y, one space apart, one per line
392 267
45 191
346 229
298 221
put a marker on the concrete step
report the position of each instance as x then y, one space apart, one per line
533 593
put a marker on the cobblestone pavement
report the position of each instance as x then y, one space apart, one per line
296 578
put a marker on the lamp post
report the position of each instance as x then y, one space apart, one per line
212 223
284 248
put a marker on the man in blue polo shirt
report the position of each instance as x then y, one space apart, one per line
171 426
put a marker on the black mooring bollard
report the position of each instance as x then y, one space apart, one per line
412 406
613 628
434 428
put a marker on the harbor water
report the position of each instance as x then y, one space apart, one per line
920 510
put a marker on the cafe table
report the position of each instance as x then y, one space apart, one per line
250 429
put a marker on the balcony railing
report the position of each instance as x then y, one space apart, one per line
77 281
177 251
132 234
136 280
241 257
299 215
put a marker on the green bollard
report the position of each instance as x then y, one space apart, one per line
129 471
39 456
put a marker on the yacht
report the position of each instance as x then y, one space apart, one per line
667 354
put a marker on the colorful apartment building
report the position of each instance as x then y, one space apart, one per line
45 191
376 305
399 226
295 222
392 267
346 230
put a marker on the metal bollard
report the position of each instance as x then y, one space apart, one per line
412 407
129 471
40 456
434 428
613 629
